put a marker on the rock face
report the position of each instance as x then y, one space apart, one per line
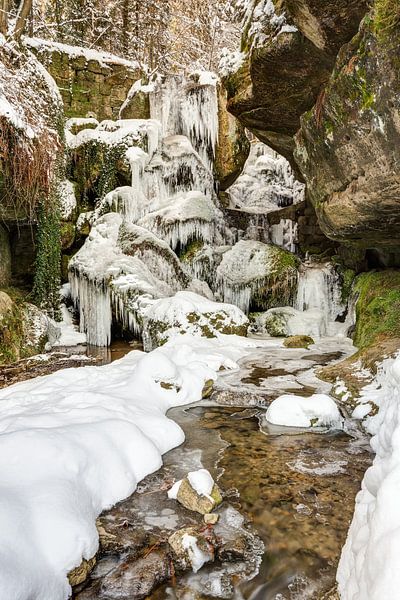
348 147
290 51
232 146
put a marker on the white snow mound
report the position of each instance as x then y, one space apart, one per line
318 410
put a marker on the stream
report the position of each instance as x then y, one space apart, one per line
288 493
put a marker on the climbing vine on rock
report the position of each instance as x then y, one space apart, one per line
48 257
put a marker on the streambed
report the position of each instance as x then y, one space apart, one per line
293 490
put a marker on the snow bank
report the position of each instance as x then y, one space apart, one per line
370 563
318 410
75 442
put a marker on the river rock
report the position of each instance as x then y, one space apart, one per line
298 341
191 547
80 573
191 500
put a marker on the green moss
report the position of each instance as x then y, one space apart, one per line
47 277
298 341
189 253
386 19
378 307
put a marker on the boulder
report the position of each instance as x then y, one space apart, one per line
257 276
298 341
289 49
348 148
233 146
188 312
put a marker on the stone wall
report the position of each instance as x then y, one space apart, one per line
89 81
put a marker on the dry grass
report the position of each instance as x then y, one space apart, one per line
27 162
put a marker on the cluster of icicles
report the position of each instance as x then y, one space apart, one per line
172 198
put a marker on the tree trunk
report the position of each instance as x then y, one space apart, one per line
23 13
3 16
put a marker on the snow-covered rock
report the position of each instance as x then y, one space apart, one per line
187 312
197 492
287 321
254 273
319 410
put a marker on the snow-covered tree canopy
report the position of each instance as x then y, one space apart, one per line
165 34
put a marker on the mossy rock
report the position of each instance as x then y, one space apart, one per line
298 341
81 573
377 308
191 500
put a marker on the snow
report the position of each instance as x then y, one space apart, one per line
12 114
201 481
196 556
113 133
319 410
230 62
370 562
67 198
104 58
69 333
173 492
77 441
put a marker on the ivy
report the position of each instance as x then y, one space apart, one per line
47 281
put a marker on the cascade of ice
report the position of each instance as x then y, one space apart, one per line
284 234
199 114
94 302
319 288
189 108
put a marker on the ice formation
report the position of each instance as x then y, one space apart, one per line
189 107
266 184
167 232
370 562
248 267
319 288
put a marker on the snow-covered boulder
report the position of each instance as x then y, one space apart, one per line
184 218
257 275
187 312
191 548
197 492
287 321
318 410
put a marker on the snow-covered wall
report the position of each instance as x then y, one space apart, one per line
89 81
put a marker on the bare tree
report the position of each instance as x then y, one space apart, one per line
3 16
22 15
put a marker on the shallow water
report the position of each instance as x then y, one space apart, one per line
296 489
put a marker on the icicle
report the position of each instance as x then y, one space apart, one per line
284 234
319 287
93 301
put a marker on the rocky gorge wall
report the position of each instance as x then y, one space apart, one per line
320 83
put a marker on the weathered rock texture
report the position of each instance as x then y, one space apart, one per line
91 86
232 147
349 144
285 69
